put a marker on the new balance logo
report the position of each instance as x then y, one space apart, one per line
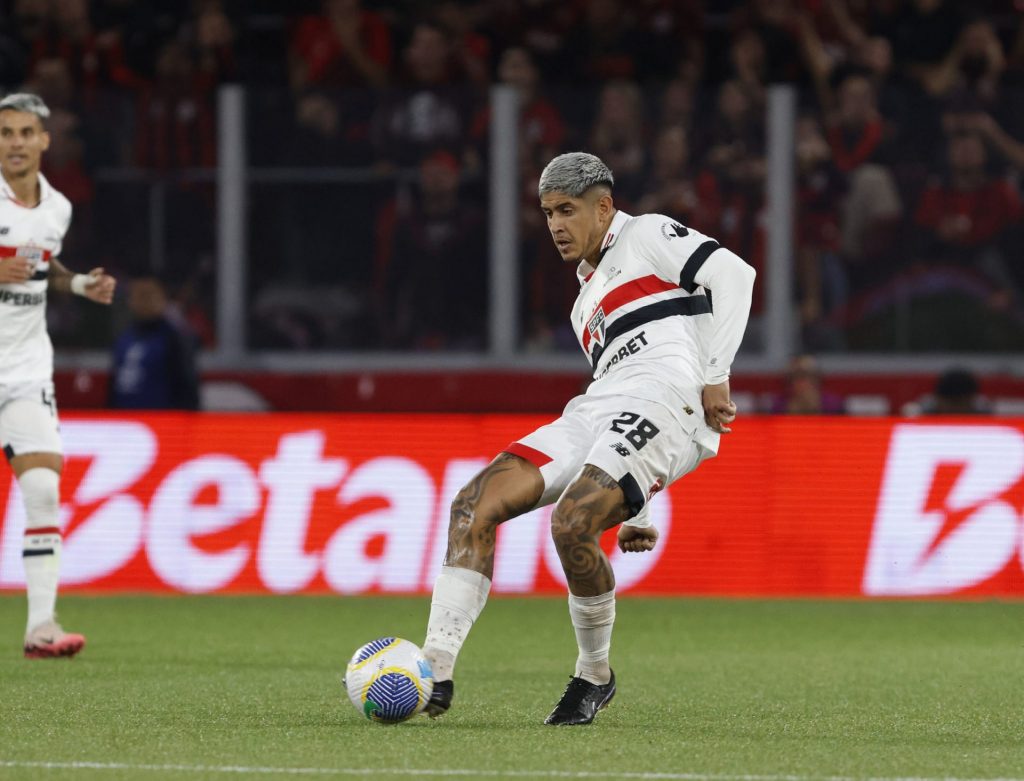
621 449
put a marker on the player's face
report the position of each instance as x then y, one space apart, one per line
577 225
22 142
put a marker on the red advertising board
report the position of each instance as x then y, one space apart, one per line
359 504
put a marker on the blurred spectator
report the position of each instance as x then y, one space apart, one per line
922 32
972 67
822 282
803 393
619 137
676 104
175 118
212 34
606 45
95 60
432 281
774 23
748 61
431 110
541 126
154 365
345 45
735 156
956 392
322 137
991 131
470 49
871 211
673 187
966 214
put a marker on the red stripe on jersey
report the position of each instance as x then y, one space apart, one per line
535 457
627 294
42 530
10 252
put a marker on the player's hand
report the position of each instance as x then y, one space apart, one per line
101 287
15 269
633 539
719 411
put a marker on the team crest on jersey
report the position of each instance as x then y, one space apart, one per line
32 254
596 325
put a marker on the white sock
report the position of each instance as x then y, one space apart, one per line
459 596
40 488
592 618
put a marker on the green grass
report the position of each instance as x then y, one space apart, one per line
714 687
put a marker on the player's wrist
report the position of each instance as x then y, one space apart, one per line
79 284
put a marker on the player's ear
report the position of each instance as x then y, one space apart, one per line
45 138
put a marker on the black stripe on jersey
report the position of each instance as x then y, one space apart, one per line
39 275
691 305
696 260
37 552
8 452
635 498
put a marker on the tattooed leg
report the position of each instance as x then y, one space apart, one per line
590 505
507 487
593 503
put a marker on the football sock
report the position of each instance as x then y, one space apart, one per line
459 596
592 618
40 488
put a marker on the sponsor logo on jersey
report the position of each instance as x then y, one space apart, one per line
21 299
632 347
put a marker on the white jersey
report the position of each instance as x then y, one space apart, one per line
26 354
644 319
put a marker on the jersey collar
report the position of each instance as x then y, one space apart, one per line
44 190
584 271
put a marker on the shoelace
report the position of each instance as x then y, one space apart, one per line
574 693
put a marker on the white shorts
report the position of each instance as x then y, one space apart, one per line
638 443
28 419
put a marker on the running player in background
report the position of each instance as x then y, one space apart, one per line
33 221
655 410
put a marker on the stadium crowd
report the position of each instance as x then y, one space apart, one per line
909 148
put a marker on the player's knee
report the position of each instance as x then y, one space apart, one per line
568 524
470 509
40 489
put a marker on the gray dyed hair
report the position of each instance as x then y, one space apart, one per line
25 101
573 174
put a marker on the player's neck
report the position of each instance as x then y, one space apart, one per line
593 257
25 186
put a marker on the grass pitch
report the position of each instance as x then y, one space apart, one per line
229 687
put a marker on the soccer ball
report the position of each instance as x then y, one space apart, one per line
389 680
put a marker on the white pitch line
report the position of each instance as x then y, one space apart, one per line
455 772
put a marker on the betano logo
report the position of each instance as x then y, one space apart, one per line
384 521
949 510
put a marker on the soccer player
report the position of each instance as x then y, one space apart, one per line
33 221
661 348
